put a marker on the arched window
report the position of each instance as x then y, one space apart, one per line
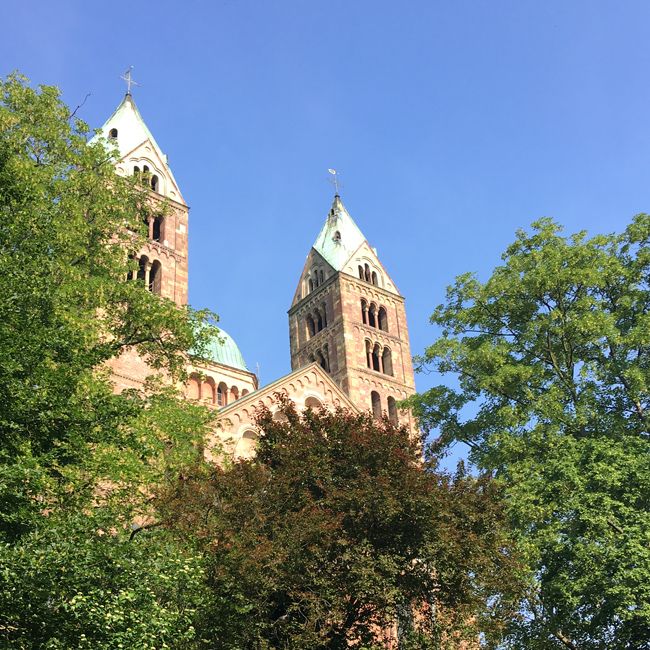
193 388
368 353
361 275
279 416
143 263
207 391
311 326
156 234
244 392
364 312
143 176
387 361
326 354
375 401
366 274
382 317
112 134
234 394
154 183
313 403
246 445
155 278
376 356
311 285
319 321
324 312
337 237
131 273
392 410
322 362
320 274
372 315
374 278
222 394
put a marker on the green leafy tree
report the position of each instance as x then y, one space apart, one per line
79 583
79 464
337 531
552 359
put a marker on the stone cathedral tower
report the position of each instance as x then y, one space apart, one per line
348 316
163 260
349 339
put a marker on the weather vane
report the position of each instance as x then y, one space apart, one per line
129 81
335 180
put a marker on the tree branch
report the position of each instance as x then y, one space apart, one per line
565 640
135 531
78 107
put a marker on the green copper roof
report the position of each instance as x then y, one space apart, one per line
340 236
131 129
223 349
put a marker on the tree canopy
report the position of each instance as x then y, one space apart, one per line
337 532
78 463
552 359
115 533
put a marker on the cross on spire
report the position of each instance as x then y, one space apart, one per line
129 81
335 180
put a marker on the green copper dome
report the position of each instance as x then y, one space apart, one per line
223 349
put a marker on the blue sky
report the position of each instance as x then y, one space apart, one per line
452 123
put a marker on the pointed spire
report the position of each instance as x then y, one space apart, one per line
126 130
130 127
340 237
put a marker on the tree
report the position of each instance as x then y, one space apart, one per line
552 358
79 464
337 531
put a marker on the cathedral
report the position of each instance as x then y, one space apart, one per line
348 335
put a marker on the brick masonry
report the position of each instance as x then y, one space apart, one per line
346 335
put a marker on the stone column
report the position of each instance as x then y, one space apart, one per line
147 271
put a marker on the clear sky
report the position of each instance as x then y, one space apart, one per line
452 123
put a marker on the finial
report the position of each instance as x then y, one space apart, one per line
129 81
335 180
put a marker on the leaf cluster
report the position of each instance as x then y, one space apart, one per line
552 359
337 533
79 464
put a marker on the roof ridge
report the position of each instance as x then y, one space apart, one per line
255 395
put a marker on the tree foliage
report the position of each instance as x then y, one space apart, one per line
79 464
337 530
553 362
78 583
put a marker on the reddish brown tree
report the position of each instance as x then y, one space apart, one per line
338 531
